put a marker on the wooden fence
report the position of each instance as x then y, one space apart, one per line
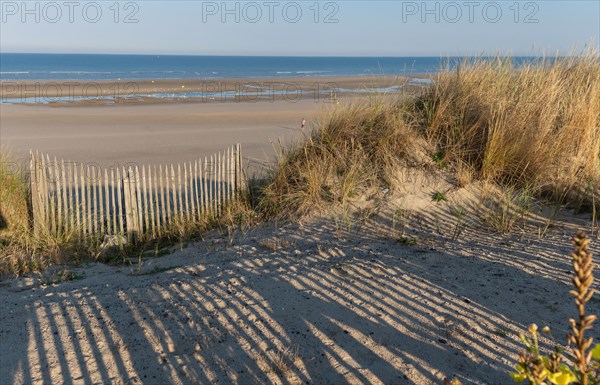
137 201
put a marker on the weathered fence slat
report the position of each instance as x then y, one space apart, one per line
106 218
42 172
205 209
137 198
84 200
70 190
162 197
185 192
156 231
197 191
213 174
120 193
64 194
77 200
93 201
173 194
58 195
151 201
144 210
129 225
179 193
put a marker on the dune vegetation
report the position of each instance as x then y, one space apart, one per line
534 127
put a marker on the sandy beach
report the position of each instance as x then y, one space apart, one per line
167 130
152 134
299 193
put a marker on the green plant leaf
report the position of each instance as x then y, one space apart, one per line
596 352
518 377
563 377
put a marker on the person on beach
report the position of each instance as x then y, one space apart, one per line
302 124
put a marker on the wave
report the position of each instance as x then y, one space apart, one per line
74 72
312 72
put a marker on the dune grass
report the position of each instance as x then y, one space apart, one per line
354 150
16 254
22 251
14 197
535 126
538 125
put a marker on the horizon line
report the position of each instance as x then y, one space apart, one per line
283 56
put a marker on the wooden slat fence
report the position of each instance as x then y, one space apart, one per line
140 202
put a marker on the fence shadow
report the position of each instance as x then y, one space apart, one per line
319 309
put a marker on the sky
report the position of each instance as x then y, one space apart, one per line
299 28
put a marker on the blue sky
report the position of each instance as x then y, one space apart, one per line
354 28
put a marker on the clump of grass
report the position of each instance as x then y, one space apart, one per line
14 198
407 241
506 207
439 196
536 124
20 251
355 150
459 212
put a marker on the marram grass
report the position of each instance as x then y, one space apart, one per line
535 126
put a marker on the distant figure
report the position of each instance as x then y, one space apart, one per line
302 124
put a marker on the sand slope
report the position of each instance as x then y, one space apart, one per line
318 303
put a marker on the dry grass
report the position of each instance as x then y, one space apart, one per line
355 150
14 197
20 251
535 126
538 125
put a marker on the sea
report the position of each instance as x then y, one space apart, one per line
23 66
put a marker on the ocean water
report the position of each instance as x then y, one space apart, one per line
111 67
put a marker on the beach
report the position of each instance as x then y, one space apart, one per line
150 130
151 134
373 254
299 193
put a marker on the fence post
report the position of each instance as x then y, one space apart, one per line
127 203
36 203
238 170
